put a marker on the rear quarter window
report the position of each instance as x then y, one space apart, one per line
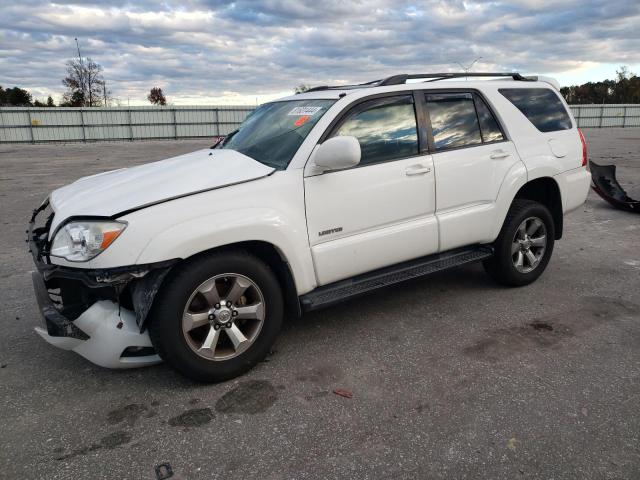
541 106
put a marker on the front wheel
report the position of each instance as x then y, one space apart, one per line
217 316
524 246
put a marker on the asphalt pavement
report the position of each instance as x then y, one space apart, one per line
451 376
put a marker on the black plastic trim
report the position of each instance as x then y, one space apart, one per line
57 324
333 293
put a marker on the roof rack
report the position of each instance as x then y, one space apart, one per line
400 79
432 77
373 83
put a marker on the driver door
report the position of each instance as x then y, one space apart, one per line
382 211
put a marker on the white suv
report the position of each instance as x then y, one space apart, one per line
316 198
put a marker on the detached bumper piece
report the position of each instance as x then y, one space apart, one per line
104 334
606 185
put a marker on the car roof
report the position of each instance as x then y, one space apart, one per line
479 85
398 83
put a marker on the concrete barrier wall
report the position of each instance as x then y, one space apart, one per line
32 125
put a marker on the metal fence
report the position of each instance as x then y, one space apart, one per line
607 115
32 125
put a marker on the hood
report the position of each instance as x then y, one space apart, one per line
110 193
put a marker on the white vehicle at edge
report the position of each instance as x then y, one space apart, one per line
314 199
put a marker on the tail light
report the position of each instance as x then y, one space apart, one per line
584 149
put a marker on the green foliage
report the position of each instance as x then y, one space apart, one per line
15 97
624 89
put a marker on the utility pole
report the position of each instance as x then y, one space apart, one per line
104 91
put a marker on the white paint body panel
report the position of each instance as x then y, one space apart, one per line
376 207
468 183
574 188
109 193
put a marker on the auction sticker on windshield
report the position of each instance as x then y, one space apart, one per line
304 111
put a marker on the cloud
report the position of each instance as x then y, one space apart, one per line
204 50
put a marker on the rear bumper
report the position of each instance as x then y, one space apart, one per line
104 334
574 188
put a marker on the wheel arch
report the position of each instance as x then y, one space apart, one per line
545 190
273 257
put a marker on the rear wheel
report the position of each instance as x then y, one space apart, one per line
524 246
217 316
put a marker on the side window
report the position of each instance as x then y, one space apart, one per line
541 106
386 129
454 122
488 124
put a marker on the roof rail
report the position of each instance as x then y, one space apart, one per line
373 83
400 79
432 77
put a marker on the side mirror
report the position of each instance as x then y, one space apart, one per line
337 153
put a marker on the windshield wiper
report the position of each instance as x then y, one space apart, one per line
226 139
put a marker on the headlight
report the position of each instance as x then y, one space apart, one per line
80 241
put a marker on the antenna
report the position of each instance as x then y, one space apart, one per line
79 56
467 68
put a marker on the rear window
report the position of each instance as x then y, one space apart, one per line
541 106
488 124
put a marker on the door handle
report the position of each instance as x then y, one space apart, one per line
417 170
498 154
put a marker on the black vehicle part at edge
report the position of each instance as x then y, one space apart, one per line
606 185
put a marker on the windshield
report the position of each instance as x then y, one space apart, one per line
274 131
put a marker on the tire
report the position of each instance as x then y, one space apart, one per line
193 326
510 246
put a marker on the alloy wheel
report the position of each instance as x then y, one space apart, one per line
529 244
223 316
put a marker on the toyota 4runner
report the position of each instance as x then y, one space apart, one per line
316 198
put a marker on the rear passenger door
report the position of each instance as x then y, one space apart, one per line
471 156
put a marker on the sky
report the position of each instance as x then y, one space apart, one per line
246 52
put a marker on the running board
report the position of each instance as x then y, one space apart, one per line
336 292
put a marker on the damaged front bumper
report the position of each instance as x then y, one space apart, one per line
97 313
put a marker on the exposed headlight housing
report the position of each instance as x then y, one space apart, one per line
82 240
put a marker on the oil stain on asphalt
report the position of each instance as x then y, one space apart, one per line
108 442
194 417
129 414
254 396
548 331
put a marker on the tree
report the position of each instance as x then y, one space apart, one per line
624 89
50 102
301 88
15 96
156 96
84 82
